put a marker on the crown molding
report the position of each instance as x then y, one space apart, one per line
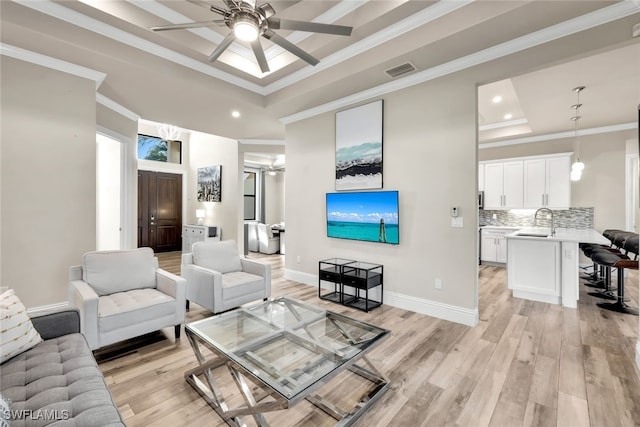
262 141
114 106
581 23
504 124
560 135
410 23
52 63
78 19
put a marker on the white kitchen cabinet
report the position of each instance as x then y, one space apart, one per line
198 233
481 177
493 244
503 185
547 182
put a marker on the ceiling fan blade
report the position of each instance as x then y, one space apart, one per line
259 52
287 45
186 25
222 46
312 27
210 7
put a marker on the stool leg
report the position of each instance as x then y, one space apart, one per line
620 306
607 293
599 279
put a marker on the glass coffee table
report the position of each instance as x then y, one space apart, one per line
285 349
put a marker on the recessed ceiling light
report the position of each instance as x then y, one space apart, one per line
496 99
508 116
235 114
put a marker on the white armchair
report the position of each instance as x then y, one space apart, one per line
123 294
268 243
218 279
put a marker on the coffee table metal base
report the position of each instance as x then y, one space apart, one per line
202 379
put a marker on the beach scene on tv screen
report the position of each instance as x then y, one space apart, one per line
370 216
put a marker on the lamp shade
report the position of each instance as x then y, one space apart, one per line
200 213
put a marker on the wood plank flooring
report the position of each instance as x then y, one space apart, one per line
526 364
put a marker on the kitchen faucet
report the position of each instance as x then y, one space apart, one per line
553 220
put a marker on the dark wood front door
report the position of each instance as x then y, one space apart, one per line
160 211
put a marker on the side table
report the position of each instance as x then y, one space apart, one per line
361 276
330 270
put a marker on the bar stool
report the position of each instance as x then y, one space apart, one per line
612 260
617 238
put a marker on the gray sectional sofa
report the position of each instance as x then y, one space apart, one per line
58 381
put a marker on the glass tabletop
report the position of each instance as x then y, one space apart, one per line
288 344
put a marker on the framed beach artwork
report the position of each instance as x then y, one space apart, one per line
210 184
359 147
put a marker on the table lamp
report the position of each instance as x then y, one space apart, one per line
200 214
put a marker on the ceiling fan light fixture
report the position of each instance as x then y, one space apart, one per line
245 28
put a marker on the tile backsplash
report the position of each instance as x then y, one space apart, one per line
570 218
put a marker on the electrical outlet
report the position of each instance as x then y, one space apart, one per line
298 259
438 283
495 216
548 216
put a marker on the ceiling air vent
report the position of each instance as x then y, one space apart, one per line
400 70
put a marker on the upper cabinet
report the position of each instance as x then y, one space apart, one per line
503 185
529 182
547 182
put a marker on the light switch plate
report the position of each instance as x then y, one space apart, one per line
457 222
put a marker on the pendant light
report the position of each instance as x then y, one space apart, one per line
577 167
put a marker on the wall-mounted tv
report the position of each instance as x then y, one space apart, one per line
371 216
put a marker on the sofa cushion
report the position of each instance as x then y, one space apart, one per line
61 376
108 272
239 283
17 333
122 309
219 256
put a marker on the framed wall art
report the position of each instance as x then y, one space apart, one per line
359 147
210 184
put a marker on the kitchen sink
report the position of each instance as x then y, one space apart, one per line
533 234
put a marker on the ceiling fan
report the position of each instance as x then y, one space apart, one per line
248 22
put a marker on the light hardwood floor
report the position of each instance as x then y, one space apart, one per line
525 364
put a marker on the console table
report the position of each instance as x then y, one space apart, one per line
358 276
198 233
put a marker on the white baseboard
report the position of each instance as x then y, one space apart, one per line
452 313
299 276
48 308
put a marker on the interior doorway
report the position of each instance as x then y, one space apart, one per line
109 191
160 211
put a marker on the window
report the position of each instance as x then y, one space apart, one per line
159 150
249 179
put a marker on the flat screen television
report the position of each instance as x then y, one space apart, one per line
370 216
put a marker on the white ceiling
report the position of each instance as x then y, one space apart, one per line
174 82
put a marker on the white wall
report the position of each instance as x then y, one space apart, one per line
430 157
48 178
210 150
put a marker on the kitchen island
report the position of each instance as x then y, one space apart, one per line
545 267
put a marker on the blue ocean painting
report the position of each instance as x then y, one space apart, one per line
369 216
